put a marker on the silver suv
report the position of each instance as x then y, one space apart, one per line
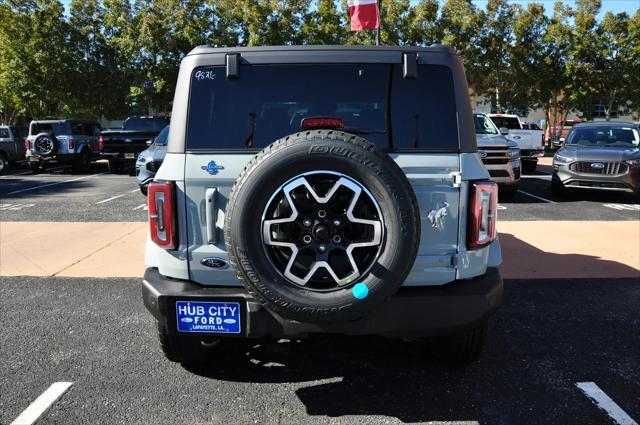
322 189
500 155
74 142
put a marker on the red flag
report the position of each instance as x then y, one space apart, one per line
364 14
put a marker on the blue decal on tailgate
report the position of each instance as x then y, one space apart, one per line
208 317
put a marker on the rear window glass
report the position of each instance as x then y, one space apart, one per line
270 101
511 123
423 110
151 125
57 128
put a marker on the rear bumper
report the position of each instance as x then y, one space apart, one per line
53 159
412 312
531 153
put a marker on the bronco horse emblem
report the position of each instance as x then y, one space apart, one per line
436 217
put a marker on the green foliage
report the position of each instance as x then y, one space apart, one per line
114 57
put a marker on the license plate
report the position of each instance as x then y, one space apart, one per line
208 317
129 155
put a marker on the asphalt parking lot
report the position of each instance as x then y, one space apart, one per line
550 335
99 196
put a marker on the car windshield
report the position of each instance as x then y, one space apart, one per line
511 123
4 133
484 125
161 140
604 136
151 125
570 123
48 127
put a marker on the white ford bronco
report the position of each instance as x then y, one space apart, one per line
322 189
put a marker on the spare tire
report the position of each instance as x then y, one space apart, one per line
46 144
322 226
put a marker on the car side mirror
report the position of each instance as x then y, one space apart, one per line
504 131
149 142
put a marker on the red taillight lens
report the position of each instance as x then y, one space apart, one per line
72 144
162 217
322 122
483 212
26 144
100 143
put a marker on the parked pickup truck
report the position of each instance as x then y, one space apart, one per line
11 147
530 142
121 147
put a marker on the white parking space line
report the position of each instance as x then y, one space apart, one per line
15 207
620 207
135 190
144 206
110 199
42 403
593 392
52 184
537 197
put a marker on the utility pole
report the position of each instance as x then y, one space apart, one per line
379 23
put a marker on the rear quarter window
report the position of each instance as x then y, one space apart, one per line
511 123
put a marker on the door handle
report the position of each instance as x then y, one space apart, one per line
211 213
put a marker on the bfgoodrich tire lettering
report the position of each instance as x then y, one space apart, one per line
307 152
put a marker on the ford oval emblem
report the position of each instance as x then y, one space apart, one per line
212 168
597 165
483 154
214 262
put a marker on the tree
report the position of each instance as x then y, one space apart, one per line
527 57
496 40
460 23
325 25
615 64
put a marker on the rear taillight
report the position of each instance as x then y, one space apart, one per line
483 211
100 143
162 214
72 144
27 146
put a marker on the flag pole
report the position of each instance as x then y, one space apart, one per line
379 23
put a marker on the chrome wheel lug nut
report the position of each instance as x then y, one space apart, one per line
337 222
306 239
337 239
322 248
306 222
322 213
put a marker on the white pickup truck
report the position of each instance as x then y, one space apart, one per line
530 142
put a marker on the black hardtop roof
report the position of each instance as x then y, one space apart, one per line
606 123
434 48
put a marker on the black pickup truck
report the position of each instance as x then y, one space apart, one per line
122 146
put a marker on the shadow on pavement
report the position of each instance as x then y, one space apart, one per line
523 260
549 334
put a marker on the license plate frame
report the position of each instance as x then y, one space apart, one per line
129 156
219 317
